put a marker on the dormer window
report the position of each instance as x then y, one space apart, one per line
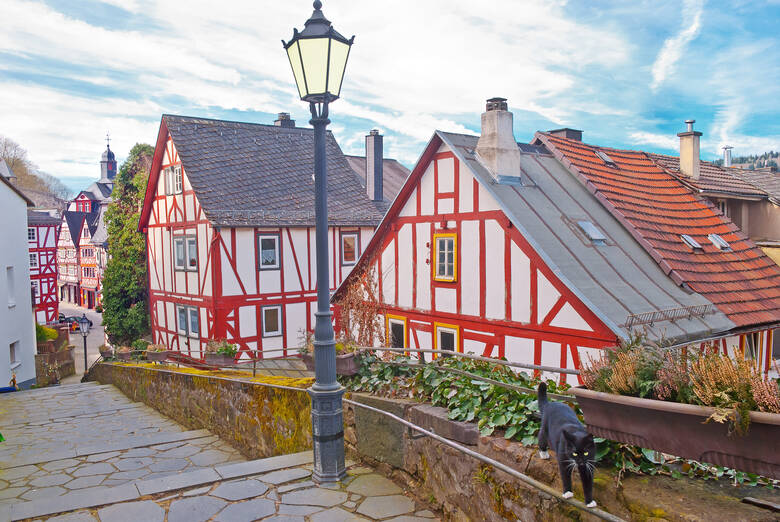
719 242
173 180
594 234
605 158
688 240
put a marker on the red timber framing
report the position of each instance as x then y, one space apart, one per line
210 282
42 247
500 300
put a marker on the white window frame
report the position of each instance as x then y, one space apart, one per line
32 234
11 286
34 260
277 242
438 253
191 253
178 180
191 316
180 264
344 236
395 321
13 355
275 333
446 329
183 329
35 284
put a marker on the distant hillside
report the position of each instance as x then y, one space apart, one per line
767 159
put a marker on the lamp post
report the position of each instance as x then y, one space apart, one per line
84 328
318 56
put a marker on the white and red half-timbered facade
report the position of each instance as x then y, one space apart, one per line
494 248
42 230
228 215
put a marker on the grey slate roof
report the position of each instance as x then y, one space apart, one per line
39 217
765 180
613 280
393 175
74 220
98 228
247 174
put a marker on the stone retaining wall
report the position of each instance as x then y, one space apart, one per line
62 359
258 420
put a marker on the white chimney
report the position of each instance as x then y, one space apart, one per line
497 147
374 164
689 151
727 155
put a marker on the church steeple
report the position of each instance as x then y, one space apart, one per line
108 164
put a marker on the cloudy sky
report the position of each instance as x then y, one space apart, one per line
626 72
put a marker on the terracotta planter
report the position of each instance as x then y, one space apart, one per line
124 356
217 359
679 429
157 356
347 364
106 354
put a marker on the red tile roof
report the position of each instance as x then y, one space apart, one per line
713 179
657 209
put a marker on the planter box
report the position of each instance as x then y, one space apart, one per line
157 356
107 354
123 356
679 429
216 359
347 364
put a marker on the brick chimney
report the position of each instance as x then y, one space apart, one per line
497 147
283 120
374 175
689 151
569 134
727 155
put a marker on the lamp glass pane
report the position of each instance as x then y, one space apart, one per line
339 52
297 68
314 54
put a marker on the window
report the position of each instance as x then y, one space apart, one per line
594 234
36 290
34 260
88 252
88 271
85 232
185 253
723 207
606 159
188 320
688 240
446 337
10 281
268 249
349 249
396 331
13 348
272 321
719 242
177 180
444 263
31 234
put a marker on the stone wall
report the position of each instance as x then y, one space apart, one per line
466 489
62 360
258 420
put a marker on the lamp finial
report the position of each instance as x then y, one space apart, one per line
317 4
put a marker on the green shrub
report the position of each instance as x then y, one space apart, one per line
139 345
44 333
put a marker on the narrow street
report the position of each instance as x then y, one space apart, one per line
94 339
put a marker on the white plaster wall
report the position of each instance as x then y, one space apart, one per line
388 273
423 266
547 295
469 268
247 321
446 300
16 315
427 191
568 317
410 207
296 323
466 190
521 285
245 258
551 356
519 349
405 266
495 282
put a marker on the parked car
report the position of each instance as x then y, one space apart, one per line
72 321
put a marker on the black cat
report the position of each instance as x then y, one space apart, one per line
573 445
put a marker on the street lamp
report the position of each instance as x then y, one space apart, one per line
84 328
318 56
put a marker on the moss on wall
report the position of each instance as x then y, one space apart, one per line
253 416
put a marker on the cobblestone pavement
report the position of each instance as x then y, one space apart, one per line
84 452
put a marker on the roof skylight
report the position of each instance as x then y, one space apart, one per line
719 242
688 240
605 158
593 233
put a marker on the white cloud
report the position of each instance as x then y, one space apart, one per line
663 141
674 47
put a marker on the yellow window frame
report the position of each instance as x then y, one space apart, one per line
435 256
402 319
455 327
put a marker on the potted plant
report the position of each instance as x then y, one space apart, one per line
124 353
692 403
219 352
156 352
347 354
105 351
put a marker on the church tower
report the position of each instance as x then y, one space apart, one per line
107 165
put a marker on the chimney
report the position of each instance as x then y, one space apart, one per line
497 147
727 155
569 134
374 156
689 151
283 120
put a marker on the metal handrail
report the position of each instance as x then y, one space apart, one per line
487 460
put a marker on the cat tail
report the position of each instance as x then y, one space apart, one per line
541 395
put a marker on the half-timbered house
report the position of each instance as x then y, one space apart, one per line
495 248
228 214
42 230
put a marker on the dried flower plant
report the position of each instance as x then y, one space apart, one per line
766 394
360 310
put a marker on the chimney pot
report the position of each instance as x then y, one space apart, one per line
497 147
374 164
283 120
690 163
496 104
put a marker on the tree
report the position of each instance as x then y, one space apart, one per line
28 177
125 293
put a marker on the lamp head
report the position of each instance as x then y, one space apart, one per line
84 325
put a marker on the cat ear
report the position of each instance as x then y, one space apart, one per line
589 439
